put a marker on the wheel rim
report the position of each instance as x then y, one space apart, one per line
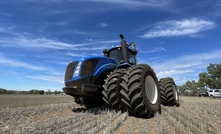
151 90
175 92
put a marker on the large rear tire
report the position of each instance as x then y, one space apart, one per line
111 89
169 95
140 91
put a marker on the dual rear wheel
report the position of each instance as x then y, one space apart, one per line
169 95
135 90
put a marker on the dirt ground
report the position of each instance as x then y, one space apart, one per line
59 114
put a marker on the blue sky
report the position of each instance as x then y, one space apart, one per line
38 38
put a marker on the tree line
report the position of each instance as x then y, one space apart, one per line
211 79
33 91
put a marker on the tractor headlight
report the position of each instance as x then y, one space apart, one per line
77 69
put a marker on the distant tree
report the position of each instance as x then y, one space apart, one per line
203 79
55 92
3 91
192 85
182 89
41 92
49 91
189 88
34 91
24 92
211 78
31 92
10 92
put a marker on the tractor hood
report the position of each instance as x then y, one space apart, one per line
88 66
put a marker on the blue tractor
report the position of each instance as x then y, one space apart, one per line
118 81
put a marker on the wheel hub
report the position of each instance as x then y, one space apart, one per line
151 89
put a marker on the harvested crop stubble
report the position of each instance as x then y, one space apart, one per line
59 114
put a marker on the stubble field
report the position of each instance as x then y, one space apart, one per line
59 114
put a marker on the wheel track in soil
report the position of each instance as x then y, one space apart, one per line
185 117
138 125
25 119
69 121
59 118
114 125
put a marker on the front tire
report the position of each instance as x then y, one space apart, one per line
111 89
212 97
140 91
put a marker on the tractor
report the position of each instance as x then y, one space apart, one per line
119 82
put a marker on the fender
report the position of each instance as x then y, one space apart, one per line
124 65
105 68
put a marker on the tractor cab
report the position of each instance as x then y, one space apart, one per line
123 54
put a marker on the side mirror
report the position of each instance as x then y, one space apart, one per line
121 36
105 52
134 48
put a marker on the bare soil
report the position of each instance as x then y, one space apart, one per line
59 114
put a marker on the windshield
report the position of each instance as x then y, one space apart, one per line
132 58
117 55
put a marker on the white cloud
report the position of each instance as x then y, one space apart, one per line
103 24
5 14
186 62
153 50
20 64
173 72
53 78
185 27
135 3
74 54
44 43
121 3
186 66
5 29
